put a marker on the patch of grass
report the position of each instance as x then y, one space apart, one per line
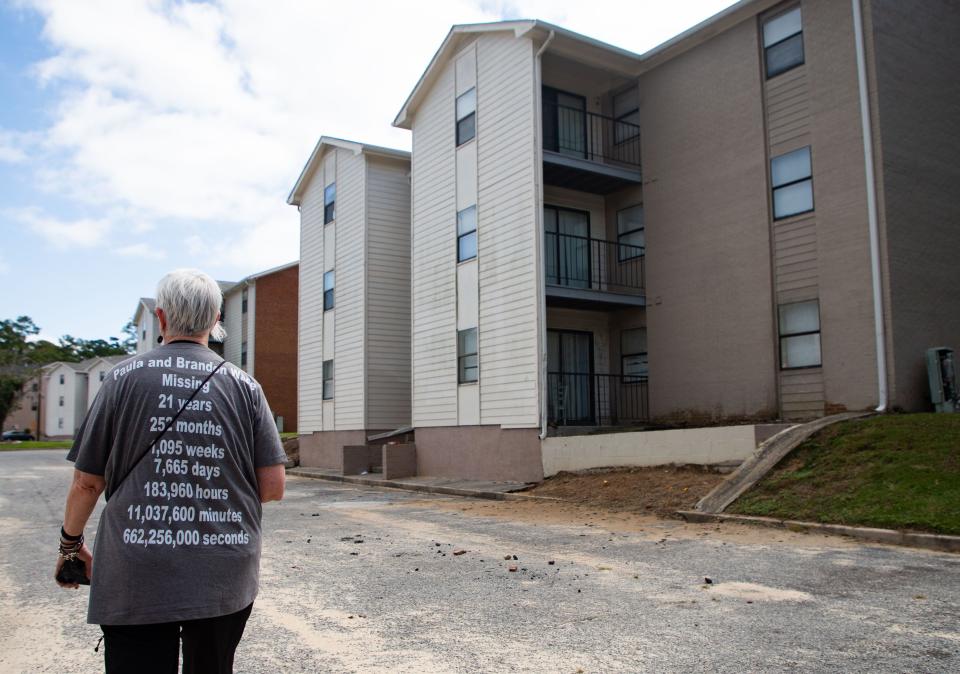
894 472
35 444
287 436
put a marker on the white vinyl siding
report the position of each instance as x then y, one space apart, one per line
388 294
434 348
234 326
350 294
250 328
310 323
506 206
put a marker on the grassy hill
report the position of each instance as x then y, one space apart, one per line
895 471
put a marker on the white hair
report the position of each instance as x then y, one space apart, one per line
191 303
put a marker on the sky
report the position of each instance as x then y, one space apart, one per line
138 136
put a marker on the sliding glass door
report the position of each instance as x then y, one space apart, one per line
567 247
570 377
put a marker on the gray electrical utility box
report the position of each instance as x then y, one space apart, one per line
943 379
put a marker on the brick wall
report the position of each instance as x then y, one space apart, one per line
275 360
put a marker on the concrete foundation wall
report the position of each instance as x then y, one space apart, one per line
705 446
324 449
479 453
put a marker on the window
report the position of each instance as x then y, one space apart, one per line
466 116
61 401
33 406
467 234
467 358
790 175
633 355
328 380
60 422
783 42
328 282
61 380
631 239
144 334
799 335
329 203
33 387
103 375
243 301
243 354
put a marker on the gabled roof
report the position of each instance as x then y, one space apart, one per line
580 47
246 280
565 41
296 194
147 303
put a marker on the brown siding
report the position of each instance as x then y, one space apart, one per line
709 297
916 66
276 342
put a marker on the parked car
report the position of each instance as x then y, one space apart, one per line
16 435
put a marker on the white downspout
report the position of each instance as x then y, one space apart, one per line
879 329
541 237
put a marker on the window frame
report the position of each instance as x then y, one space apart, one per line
63 379
325 393
781 336
243 301
774 188
330 206
459 120
766 48
328 293
243 354
61 402
620 258
631 378
461 356
461 236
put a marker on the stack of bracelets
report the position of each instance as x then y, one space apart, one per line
70 545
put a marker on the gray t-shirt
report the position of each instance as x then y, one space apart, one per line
179 539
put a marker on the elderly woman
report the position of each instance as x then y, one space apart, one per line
187 451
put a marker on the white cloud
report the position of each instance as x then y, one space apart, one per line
200 116
83 232
143 250
12 147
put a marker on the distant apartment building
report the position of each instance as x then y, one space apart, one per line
68 390
260 317
147 325
354 330
25 416
754 220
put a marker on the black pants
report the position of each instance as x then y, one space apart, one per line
208 645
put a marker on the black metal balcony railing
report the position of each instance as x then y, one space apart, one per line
593 264
587 135
596 399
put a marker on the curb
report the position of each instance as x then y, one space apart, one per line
425 488
937 542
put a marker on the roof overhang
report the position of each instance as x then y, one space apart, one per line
566 42
580 48
324 144
247 280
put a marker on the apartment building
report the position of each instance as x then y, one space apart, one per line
260 316
25 415
354 330
751 221
68 390
147 325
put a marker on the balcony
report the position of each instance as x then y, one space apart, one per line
589 152
596 399
583 272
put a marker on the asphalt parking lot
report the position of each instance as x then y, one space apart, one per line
357 579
